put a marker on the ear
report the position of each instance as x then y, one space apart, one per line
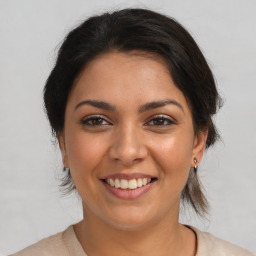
199 146
62 145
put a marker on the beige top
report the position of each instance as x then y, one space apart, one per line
66 244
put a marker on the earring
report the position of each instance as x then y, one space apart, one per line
65 169
195 167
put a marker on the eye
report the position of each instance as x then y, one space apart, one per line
95 120
160 121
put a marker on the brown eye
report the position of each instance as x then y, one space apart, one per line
94 121
160 121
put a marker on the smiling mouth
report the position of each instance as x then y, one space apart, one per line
131 184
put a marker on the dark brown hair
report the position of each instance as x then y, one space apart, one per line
144 31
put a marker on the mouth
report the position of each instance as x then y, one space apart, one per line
131 184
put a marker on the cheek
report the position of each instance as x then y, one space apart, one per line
84 154
174 157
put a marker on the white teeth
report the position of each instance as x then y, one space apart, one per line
128 184
111 182
139 183
117 183
124 184
132 184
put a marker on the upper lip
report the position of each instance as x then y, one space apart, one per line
126 176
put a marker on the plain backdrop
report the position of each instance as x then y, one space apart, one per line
31 206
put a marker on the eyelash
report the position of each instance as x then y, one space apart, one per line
164 121
98 120
89 121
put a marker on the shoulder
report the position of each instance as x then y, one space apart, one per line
53 245
209 245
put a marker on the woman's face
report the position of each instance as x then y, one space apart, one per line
129 140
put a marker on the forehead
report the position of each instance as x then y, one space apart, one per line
126 77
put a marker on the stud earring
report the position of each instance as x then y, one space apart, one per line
195 166
65 169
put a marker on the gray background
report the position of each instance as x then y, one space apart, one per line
31 206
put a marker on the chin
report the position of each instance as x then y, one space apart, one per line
131 225
130 220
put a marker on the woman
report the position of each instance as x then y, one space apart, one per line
131 100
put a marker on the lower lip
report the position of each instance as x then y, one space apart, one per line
128 193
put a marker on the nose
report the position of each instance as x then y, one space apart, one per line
127 146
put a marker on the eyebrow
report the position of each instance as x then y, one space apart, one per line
97 104
159 104
146 107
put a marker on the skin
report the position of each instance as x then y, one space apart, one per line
159 142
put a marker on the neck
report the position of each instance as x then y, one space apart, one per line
167 237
